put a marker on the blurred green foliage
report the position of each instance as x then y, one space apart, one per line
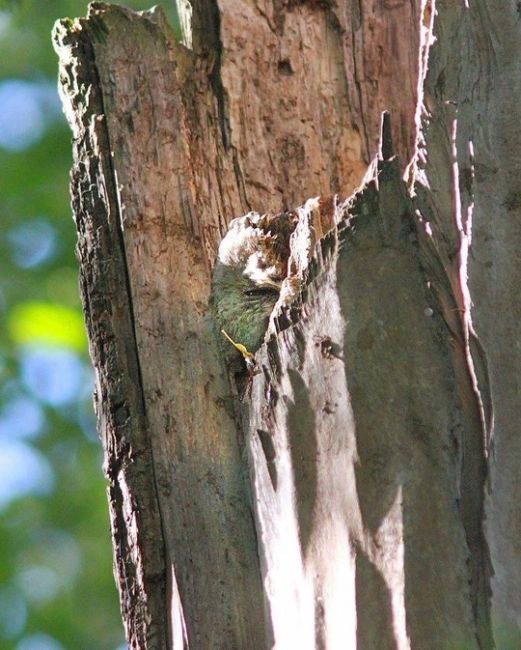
56 585
47 323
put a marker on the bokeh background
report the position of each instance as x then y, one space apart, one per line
57 589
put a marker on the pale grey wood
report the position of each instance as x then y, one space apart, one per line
352 431
470 163
383 517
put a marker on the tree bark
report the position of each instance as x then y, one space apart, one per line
387 394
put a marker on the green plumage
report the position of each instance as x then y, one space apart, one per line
240 306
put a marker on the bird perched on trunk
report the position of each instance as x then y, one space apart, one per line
251 265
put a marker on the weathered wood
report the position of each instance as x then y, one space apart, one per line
163 152
352 430
171 443
139 553
369 430
304 83
470 167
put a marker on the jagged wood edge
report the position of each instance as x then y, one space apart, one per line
384 173
134 512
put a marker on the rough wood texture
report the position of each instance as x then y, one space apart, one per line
172 452
471 165
353 431
139 553
385 388
303 86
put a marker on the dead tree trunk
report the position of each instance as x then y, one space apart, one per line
379 448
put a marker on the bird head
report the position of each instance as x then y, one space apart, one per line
251 265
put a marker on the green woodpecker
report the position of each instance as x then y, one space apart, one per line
251 265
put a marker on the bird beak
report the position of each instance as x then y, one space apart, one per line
272 284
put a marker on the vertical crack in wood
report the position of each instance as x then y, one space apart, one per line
444 200
221 97
206 524
177 634
377 244
120 402
382 469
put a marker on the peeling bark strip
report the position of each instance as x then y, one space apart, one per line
362 443
369 428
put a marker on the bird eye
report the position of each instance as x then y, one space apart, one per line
261 291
